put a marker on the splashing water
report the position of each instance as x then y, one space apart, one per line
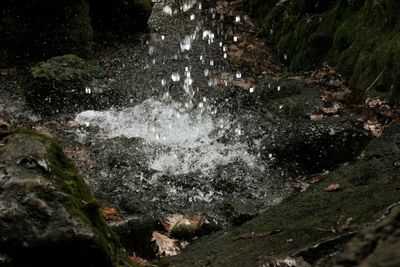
191 137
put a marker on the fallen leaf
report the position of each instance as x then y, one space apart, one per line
333 188
333 109
374 127
346 226
331 230
166 246
110 214
139 261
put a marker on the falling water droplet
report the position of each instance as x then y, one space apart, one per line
252 90
163 82
192 17
175 77
235 38
167 10
237 19
238 75
88 90
212 63
206 72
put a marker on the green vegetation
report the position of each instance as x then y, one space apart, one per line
79 201
368 186
360 38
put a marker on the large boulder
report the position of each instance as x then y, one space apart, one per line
67 84
38 29
48 216
360 38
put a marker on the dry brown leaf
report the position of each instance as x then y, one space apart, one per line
110 214
139 261
243 84
332 188
333 109
374 127
166 246
331 230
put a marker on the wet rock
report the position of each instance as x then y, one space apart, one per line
67 84
315 217
47 213
38 29
377 245
316 146
120 17
238 212
135 234
185 229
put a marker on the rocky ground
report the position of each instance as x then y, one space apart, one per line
199 129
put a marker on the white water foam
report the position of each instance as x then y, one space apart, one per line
185 141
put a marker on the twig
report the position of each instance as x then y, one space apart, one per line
374 82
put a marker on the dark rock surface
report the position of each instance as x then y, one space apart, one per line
119 17
48 217
314 217
377 245
67 84
35 30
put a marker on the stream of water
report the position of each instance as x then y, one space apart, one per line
191 135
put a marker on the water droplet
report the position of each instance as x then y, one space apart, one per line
237 19
151 50
167 10
252 90
279 88
88 90
206 72
162 37
285 57
163 82
235 38
225 55
192 17
176 77
212 63
281 106
238 75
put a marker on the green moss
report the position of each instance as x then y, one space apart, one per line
368 187
360 38
79 201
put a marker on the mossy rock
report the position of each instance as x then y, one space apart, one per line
305 219
48 214
360 38
67 84
120 17
39 29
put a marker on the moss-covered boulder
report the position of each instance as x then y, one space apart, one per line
360 38
38 29
121 17
377 245
314 223
48 216
67 84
